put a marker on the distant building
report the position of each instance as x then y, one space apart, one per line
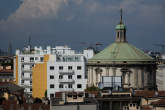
58 69
23 64
6 69
160 77
122 65
132 100
63 71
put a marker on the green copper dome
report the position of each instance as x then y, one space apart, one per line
121 52
120 26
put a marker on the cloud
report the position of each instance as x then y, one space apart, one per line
45 9
69 19
35 9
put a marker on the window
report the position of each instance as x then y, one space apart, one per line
51 77
78 67
60 67
80 95
30 89
30 82
51 95
31 66
52 86
31 59
22 81
22 59
79 85
78 76
112 81
61 86
36 58
69 85
60 77
41 59
51 67
69 67
69 95
70 77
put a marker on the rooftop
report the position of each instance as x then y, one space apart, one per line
121 52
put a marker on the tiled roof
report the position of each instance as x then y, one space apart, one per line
10 86
146 107
160 102
6 71
149 94
144 93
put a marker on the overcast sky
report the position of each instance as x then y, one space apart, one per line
76 22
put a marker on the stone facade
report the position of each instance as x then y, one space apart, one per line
135 76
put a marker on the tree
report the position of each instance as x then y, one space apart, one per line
45 93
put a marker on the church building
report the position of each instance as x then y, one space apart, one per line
122 65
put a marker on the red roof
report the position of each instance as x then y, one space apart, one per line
144 93
146 107
161 93
149 94
6 71
160 102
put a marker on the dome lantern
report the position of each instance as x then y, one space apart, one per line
121 30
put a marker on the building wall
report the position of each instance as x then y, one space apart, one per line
159 108
66 72
160 77
25 66
39 79
16 69
137 77
28 58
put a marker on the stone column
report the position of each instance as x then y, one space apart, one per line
123 79
136 78
107 71
142 77
92 79
114 71
129 78
89 78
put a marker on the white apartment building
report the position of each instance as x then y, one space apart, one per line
23 64
66 71
65 68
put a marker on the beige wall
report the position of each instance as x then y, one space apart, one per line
159 108
138 76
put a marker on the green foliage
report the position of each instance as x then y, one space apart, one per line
37 100
93 88
45 93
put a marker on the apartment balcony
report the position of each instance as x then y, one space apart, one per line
26 78
71 72
66 81
66 89
28 62
26 70
26 85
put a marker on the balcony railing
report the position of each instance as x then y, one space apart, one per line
26 78
26 85
26 70
66 89
66 72
66 80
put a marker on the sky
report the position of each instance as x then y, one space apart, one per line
80 23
